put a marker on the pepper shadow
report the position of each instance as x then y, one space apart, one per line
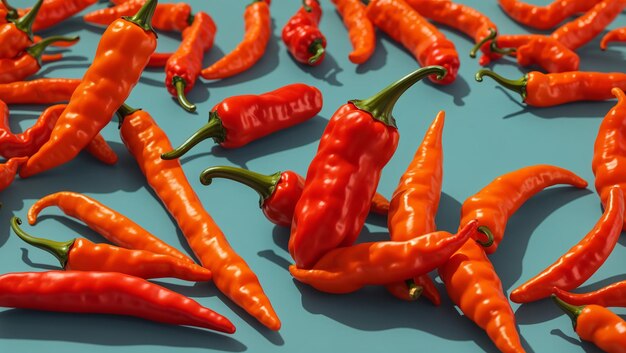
272 256
78 229
537 312
70 26
197 290
457 89
51 67
598 60
326 71
152 81
586 346
199 94
28 262
280 236
108 330
449 213
378 59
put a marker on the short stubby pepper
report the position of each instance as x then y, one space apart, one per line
302 36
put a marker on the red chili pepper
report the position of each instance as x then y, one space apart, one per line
616 35
105 293
360 29
417 35
7 12
8 170
258 29
159 59
545 90
39 91
17 35
239 120
611 295
279 192
358 142
302 36
167 17
581 261
54 12
183 68
544 17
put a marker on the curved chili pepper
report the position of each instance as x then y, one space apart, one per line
360 29
278 192
302 36
183 68
95 101
611 295
545 17
167 17
8 170
39 91
232 276
159 59
616 35
495 203
347 269
239 120
357 143
54 12
417 35
80 254
582 260
596 324
251 49
112 225
17 35
545 90
414 206
105 293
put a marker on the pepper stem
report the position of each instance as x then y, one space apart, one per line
60 250
25 24
261 183
317 49
124 111
486 231
380 105
143 17
179 85
36 50
518 86
415 291
11 11
502 51
572 311
492 36
306 7
213 129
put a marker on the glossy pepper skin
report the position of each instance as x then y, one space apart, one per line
302 36
347 269
239 120
167 17
258 30
416 34
105 293
414 206
39 91
546 90
615 35
611 295
544 17
360 29
596 324
357 143
8 170
82 255
17 35
278 192
232 276
497 202
112 225
53 12
104 88
183 67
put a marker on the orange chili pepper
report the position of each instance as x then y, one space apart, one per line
544 17
232 276
251 49
55 11
360 29
39 91
159 59
112 225
611 295
616 35
104 87
17 35
167 17
8 170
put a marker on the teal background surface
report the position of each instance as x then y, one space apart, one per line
488 132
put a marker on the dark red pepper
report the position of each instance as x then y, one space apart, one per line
302 35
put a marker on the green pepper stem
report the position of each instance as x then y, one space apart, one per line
25 24
60 250
572 311
36 50
213 129
492 36
179 85
518 85
317 49
415 291
380 105
264 185
143 17
502 51
11 11
486 231
306 7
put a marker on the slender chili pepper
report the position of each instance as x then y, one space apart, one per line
159 59
474 286
183 68
611 295
347 269
544 17
251 49
302 35
232 276
17 35
112 225
239 120
99 148
8 170
54 12
582 260
596 324
495 203
104 87
80 254
27 64
39 91
545 90
357 143
278 192
417 35
414 205
167 17
360 29
105 293
616 35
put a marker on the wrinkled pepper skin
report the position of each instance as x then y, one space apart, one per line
302 36
611 295
167 17
360 29
112 225
347 269
53 12
497 202
105 293
545 17
8 171
146 142
616 35
39 91
580 262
